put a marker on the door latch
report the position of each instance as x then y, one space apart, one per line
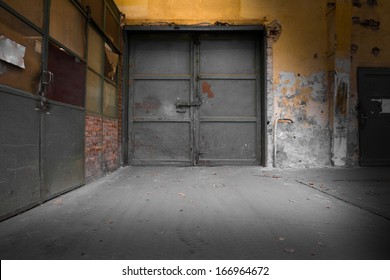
187 104
47 77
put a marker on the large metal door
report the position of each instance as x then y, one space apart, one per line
194 99
374 105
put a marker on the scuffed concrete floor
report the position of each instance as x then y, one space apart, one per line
211 213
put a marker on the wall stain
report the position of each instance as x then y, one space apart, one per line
342 98
148 104
206 89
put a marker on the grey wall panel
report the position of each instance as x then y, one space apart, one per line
19 153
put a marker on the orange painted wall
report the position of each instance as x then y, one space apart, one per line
303 24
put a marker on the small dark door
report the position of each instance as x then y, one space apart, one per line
374 98
194 99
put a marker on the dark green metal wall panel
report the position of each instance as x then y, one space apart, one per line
19 153
62 149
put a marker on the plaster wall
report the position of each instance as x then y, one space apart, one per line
297 64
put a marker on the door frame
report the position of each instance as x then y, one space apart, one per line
258 30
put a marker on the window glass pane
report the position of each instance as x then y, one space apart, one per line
97 11
33 10
109 100
112 27
379 106
94 92
385 106
95 51
67 25
69 77
110 63
21 39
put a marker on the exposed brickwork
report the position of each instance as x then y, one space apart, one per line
110 145
101 146
93 146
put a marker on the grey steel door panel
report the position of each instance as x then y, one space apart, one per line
62 149
161 78
162 56
155 99
19 151
227 142
159 142
227 56
229 116
194 99
374 105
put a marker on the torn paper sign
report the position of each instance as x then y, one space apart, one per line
12 52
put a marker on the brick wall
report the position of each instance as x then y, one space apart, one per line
101 146
110 151
93 146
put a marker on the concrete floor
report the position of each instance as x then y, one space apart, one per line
211 213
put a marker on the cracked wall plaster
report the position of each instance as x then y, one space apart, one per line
306 142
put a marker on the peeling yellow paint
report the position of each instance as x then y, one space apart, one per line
135 9
303 24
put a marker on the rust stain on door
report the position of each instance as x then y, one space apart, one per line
206 89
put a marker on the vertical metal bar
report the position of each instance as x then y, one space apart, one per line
125 100
192 110
130 101
259 142
46 35
86 55
45 58
263 93
195 78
